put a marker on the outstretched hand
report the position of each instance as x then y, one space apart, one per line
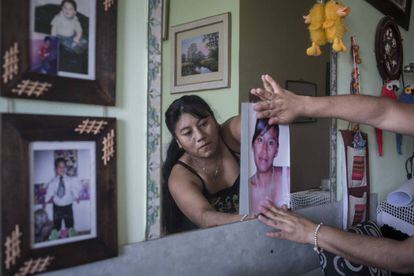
290 225
279 105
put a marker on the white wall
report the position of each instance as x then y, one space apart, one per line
131 112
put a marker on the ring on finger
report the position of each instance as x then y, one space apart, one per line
269 113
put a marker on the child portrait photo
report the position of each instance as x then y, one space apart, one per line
44 55
62 38
63 189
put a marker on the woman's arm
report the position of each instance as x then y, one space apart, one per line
378 252
283 106
188 197
230 131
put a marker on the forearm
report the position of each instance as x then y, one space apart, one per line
355 108
378 112
78 32
363 249
49 195
78 36
377 252
212 218
282 106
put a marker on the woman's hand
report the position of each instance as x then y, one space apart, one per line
280 105
292 226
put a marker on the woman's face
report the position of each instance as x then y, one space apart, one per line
265 149
198 137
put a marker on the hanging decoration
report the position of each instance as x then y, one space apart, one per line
326 24
388 49
389 57
315 20
334 24
355 165
388 90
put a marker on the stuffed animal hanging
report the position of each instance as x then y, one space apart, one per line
315 20
334 24
326 24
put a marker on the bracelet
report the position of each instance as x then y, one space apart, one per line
243 218
315 239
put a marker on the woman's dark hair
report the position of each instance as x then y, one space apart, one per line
262 126
72 2
173 219
190 104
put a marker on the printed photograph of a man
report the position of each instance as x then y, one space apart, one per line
64 192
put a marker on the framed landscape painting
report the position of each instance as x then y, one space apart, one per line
200 54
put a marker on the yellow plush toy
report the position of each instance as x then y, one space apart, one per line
334 24
315 20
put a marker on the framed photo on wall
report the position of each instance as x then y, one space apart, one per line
63 189
62 38
303 88
400 10
58 192
201 54
60 50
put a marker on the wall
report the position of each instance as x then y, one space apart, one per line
130 111
224 102
386 172
282 55
131 114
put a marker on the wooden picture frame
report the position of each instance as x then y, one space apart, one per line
165 18
201 54
400 10
20 25
303 88
30 147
